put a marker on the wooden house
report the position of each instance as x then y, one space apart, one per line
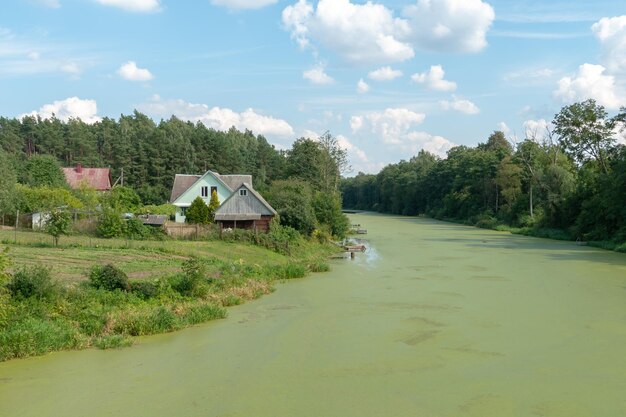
240 205
245 209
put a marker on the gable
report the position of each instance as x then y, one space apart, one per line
209 179
250 205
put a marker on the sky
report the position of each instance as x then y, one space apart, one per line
386 78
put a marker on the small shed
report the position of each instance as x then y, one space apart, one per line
245 209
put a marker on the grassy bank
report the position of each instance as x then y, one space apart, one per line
57 298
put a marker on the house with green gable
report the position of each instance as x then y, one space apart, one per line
240 205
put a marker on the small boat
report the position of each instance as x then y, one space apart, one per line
361 231
355 248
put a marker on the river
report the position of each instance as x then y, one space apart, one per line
434 320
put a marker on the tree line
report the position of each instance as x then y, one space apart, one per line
302 183
572 179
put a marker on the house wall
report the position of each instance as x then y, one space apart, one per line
261 225
196 191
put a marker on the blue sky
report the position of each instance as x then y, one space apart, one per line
388 78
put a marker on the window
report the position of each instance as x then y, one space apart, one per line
243 191
183 211
205 191
213 189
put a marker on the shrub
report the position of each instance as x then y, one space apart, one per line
108 277
135 229
319 266
198 212
33 281
110 224
145 289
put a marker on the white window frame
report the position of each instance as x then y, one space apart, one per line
243 192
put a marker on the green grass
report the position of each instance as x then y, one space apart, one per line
165 294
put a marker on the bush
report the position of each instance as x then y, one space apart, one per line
145 289
190 282
33 281
110 224
108 277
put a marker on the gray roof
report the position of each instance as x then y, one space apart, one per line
182 182
238 207
234 181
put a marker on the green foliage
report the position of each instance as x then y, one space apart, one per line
108 277
34 281
191 282
213 206
586 132
113 341
110 224
5 277
43 171
167 209
328 212
122 199
31 336
134 228
45 198
8 180
293 200
198 212
58 224
291 270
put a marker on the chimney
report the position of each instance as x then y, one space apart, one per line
79 168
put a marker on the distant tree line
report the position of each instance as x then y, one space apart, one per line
32 150
573 179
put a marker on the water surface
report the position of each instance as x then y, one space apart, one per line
435 320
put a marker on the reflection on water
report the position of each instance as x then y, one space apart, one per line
432 320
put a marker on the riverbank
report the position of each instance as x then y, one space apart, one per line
59 298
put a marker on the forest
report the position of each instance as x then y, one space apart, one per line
570 183
302 183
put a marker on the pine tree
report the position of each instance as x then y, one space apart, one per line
198 212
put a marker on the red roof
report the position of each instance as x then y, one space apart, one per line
98 178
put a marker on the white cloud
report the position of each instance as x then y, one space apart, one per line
317 75
34 55
437 145
357 32
71 68
129 71
218 118
434 79
362 87
356 123
611 32
504 128
530 75
70 108
391 124
353 150
536 130
384 74
243 4
133 5
460 105
590 82
296 18
450 25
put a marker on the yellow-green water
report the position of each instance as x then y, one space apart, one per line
435 320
